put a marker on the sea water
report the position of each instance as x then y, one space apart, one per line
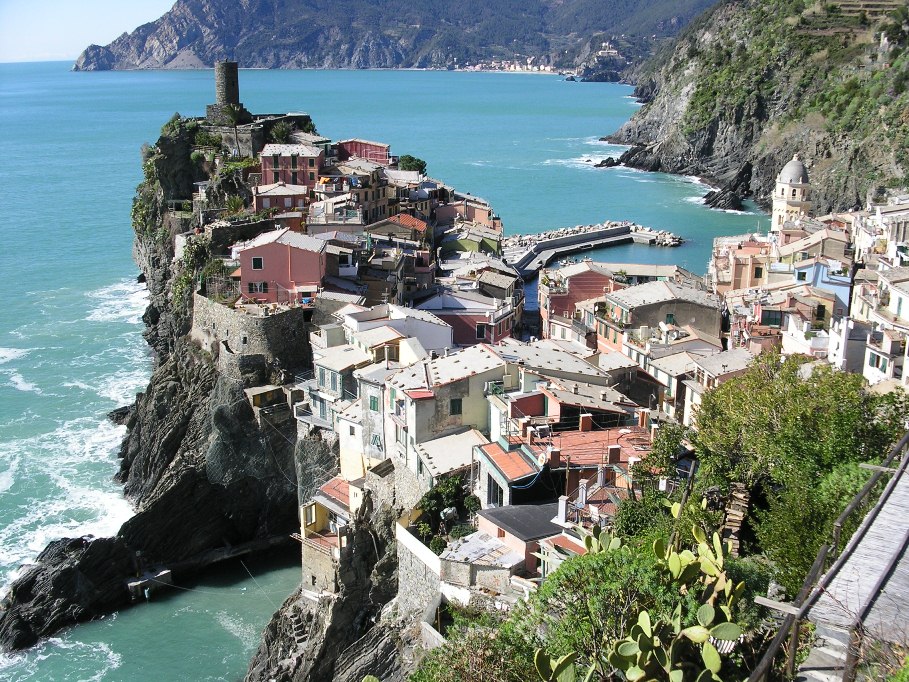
70 320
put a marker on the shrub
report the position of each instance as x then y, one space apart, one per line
438 544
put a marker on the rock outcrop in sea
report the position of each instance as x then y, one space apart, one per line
749 84
207 480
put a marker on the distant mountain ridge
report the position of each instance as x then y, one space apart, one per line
386 34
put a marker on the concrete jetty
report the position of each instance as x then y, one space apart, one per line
529 253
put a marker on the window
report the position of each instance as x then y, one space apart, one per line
820 312
801 276
495 496
334 381
321 376
274 161
258 287
293 160
670 318
312 176
275 176
256 263
374 403
399 434
310 515
266 203
455 406
312 163
481 331
293 178
353 430
758 272
376 441
287 202
419 466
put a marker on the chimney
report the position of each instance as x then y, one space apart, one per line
555 455
563 509
614 454
446 352
586 422
582 493
574 389
603 396
601 476
642 418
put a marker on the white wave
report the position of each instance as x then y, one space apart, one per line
8 476
588 161
122 386
63 494
243 631
89 661
10 354
121 302
20 383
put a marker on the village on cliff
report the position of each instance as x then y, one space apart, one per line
497 432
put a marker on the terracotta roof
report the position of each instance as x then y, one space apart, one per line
512 464
419 394
337 489
408 221
566 544
588 448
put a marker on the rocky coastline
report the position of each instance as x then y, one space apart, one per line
735 133
206 480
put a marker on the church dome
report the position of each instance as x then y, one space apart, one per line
794 172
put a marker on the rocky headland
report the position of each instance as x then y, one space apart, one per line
749 84
207 480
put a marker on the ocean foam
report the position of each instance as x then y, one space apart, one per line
10 354
124 301
62 492
20 383
243 631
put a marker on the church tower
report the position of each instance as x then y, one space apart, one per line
791 198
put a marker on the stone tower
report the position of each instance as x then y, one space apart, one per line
227 83
227 109
792 196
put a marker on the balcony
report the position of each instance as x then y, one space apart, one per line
303 413
331 188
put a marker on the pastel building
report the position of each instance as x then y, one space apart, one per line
281 267
293 164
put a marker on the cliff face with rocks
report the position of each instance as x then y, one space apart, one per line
358 34
207 481
353 633
752 82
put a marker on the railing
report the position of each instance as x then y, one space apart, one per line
303 413
806 598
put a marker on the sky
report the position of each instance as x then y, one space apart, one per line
48 30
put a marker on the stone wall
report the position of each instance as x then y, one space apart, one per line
418 573
320 571
229 334
408 488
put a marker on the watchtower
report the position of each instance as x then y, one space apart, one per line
227 109
227 83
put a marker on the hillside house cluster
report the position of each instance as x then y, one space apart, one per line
420 373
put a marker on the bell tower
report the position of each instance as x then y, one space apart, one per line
792 195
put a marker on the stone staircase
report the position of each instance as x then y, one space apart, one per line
827 659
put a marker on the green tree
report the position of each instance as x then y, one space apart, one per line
281 132
412 163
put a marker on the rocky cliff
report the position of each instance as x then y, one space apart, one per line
358 34
752 82
352 634
206 480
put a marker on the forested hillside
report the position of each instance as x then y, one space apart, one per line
752 82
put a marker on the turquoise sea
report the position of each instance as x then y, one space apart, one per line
70 328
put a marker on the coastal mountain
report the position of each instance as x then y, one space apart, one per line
753 82
388 34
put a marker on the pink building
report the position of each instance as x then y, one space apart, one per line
280 195
292 164
473 316
281 267
376 152
559 290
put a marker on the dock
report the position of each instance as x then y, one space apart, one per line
529 253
